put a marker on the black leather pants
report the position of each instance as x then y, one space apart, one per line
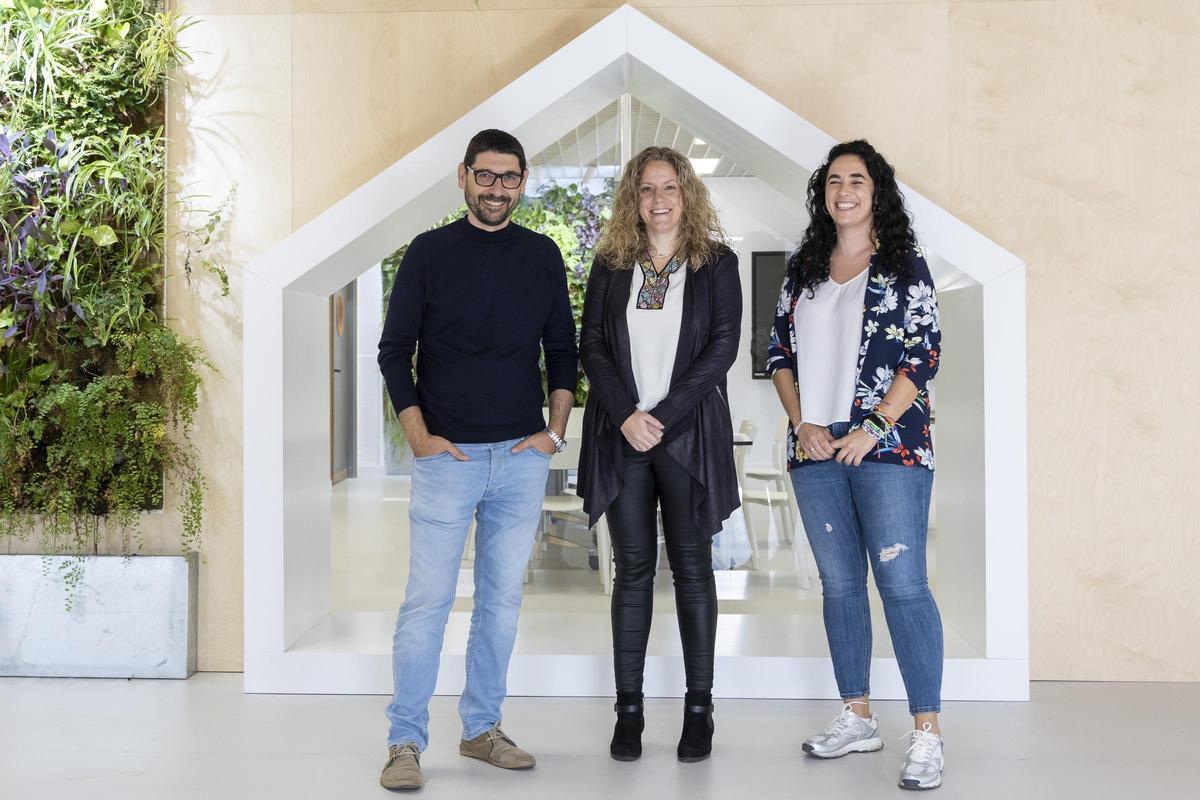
652 479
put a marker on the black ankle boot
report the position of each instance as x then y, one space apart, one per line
631 721
695 744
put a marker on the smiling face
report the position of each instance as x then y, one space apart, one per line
490 207
849 191
660 198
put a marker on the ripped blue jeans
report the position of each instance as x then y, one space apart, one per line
877 513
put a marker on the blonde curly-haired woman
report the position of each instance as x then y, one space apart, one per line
661 323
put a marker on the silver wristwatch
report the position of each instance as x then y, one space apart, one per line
559 443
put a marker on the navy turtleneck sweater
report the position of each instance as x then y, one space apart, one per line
478 307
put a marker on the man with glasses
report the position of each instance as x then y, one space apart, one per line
483 298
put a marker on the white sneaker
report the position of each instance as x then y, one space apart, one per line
849 733
923 762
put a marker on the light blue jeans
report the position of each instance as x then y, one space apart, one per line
504 492
878 514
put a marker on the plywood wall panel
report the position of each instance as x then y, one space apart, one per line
232 129
370 87
206 8
876 71
357 6
209 7
646 5
1075 156
1063 129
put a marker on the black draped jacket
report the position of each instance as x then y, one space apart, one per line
695 413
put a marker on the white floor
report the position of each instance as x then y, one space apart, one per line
204 738
764 612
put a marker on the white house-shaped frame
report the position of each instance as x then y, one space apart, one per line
981 425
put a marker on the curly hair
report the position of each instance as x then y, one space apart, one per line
623 240
809 265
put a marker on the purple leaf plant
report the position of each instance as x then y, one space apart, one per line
37 176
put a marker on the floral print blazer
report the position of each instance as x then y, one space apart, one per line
901 336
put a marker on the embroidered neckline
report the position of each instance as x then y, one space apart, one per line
654 283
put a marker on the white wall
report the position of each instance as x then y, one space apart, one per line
959 452
368 381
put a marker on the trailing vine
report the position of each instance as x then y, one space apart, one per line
97 393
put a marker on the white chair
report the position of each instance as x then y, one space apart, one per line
604 554
748 429
776 477
778 480
570 504
783 502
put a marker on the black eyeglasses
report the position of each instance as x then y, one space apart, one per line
509 180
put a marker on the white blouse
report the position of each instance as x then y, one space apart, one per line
828 336
654 338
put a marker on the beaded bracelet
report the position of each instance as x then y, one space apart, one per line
883 421
878 425
873 429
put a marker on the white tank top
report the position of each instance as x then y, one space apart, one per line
654 338
828 336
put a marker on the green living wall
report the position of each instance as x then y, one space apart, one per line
97 393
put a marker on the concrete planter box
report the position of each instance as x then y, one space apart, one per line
130 617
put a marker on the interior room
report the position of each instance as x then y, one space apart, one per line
204 516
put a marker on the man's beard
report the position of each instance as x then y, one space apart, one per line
487 215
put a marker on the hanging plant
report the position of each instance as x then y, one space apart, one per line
97 393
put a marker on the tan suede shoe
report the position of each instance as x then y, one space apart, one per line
403 768
496 749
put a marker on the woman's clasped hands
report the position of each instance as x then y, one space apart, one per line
819 445
642 431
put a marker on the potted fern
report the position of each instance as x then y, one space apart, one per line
97 393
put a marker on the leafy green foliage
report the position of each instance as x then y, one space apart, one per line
86 67
97 394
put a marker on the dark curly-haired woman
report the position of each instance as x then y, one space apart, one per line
855 343
661 323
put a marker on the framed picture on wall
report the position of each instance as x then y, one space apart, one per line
767 269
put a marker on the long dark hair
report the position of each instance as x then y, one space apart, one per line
809 265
